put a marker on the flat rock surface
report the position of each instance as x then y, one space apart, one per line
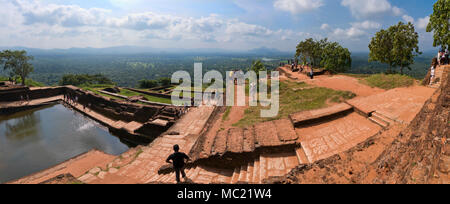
400 104
326 139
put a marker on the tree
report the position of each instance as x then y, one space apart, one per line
148 83
305 50
257 66
335 58
330 55
380 49
165 81
17 62
396 46
84 79
405 45
439 23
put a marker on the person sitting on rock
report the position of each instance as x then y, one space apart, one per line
178 162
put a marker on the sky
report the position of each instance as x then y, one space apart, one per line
185 24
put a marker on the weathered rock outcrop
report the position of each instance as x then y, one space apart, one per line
421 154
417 153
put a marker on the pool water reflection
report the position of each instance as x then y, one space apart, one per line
37 139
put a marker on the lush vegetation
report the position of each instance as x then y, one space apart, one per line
295 97
257 66
439 24
17 63
389 81
145 84
397 46
126 70
80 79
329 55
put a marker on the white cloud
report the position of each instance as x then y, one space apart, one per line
351 32
369 8
297 6
422 23
366 25
356 31
407 18
64 15
324 26
35 24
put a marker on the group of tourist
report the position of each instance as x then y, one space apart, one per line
24 98
441 59
73 99
303 67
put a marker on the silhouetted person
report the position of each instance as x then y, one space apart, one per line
178 162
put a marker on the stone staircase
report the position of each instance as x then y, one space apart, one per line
438 76
254 172
381 120
268 164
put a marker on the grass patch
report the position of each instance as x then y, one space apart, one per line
295 97
358 76
124 92
389 81
226 114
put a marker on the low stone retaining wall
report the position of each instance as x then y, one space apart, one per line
26 93
314 116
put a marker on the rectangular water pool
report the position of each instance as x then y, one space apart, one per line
37 139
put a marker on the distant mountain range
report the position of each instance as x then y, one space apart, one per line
129 50
147 50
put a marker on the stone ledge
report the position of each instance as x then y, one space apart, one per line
306 117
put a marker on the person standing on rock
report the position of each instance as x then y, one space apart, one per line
177 159
311 73
434 64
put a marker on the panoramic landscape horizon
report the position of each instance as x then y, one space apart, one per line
224 92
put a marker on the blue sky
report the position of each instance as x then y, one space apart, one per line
225 24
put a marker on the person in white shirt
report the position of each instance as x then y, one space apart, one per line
434 64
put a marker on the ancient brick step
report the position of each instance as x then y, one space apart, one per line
206 148
119 124
266 134
163 117
262 168
290 161
249 178
285 130
132 126
235 140
235 177
275 165
220 143
379 122
193 173
170 178
243 174
301 156
190 171
383 118
249 140
256 171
